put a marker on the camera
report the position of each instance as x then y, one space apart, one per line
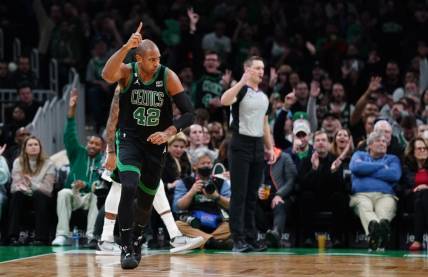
191 220
211 185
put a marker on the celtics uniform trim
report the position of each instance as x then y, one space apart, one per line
146 189
131 78
123 167
115 177
148 83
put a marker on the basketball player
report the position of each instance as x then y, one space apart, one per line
145 125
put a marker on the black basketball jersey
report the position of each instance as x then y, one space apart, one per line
145 108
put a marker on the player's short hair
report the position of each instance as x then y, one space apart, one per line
248 62
145 45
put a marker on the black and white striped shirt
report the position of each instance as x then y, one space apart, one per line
248 112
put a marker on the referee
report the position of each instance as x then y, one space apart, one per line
250 137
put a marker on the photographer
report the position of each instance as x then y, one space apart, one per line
199 201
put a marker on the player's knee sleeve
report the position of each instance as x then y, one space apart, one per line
113 198
160 202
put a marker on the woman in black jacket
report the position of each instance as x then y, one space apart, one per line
177 165
416 169
342 148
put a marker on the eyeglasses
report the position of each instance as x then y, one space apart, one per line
421 148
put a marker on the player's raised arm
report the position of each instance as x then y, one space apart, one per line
115 70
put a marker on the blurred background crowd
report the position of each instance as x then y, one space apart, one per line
335 72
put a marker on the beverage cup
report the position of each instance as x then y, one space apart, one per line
321 240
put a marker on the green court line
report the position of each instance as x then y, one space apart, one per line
10 254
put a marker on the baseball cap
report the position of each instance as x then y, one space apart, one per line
299 115
301 125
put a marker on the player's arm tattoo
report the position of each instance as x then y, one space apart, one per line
112 122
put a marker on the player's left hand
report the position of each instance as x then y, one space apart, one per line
159 138
110 162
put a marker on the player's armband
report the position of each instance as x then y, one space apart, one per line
186 108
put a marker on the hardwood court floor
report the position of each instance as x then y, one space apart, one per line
286 262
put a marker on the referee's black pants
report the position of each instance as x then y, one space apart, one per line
246 158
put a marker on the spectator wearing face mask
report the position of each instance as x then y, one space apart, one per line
199 201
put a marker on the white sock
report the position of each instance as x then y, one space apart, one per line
171 226
108 230
111 206
161 205
160 202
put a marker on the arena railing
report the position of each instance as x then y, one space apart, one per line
35 62
9 97
1 44
49 122
17 49
53 76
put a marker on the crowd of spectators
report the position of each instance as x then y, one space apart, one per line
347 83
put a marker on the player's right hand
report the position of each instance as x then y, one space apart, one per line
135 38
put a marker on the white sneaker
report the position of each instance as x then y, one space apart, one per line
108 248
61 241
183 243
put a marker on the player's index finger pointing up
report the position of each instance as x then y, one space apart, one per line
139 27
